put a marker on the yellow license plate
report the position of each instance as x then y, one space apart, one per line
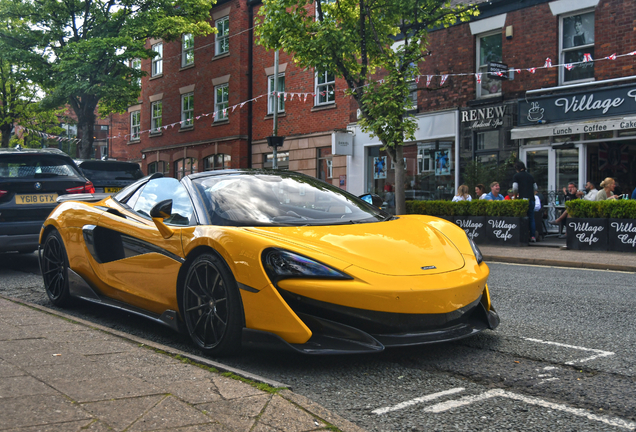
111 189
36 199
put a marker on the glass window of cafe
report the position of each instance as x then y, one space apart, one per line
430 172
607 154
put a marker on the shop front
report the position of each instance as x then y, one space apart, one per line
579 137
431 161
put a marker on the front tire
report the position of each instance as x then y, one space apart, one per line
212 307
55 269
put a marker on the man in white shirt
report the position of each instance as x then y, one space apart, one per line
591 192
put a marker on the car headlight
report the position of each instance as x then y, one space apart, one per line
476 251
281 264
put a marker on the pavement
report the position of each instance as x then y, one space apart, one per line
60 373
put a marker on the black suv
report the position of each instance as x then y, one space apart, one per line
110 176
30 182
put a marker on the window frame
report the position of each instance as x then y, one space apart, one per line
188 119
165 165
222 38
156 122
187 49
563 50
157 61
135 127
270 97
180 173
326 84
328 159
136 64
220 161
219 106
484 72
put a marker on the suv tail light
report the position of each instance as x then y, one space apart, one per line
87 188
3 193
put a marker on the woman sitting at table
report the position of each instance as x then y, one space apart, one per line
462 194
607 192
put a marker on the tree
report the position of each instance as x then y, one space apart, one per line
17 94
356 40
80 51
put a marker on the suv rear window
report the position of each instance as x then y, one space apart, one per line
35 166
111 171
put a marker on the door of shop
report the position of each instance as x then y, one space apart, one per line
553 168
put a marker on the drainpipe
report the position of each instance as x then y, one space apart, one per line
250 81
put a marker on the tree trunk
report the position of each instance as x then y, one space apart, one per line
397 157
85 147
6 135
84 108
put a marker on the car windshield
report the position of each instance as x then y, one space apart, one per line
111 171
246 199
34 166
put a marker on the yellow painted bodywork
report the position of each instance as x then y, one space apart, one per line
384 260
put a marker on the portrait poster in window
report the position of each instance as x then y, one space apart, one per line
379 167
442 162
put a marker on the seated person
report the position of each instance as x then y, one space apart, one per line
480 191
494 194
590 192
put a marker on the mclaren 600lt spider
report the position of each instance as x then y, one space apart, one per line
248 258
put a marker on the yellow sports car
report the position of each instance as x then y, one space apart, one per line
266 258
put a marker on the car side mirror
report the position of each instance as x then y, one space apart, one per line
372 199
158 213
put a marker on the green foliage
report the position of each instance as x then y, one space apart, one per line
78 52
617 209
508 208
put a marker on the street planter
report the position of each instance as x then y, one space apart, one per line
587 234
475 227
622 235
507 231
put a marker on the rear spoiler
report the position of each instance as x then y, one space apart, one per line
85 197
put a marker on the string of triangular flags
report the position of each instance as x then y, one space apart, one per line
306 95
46 135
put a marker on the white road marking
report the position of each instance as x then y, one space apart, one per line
560 267
600 353
466 400
418 400
547 380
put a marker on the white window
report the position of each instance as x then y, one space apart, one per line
187 110
577 40
187 49
217 162
135 124
156 110
270 89
425 158
136 64
221 97
325 88
223 35
411 100
488 50
157 60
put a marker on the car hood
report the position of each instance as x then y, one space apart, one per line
399 247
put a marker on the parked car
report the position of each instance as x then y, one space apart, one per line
31 180
268 258
110 176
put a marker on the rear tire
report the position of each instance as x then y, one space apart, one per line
212 308
55 269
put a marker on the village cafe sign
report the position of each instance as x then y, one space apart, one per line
606 102
491 117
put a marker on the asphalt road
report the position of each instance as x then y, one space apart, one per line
562 359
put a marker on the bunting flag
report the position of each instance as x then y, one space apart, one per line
428 80
518 70
241 106
305 99
478 76
285 97
611 57
532 70
233 108
417 79
224 112
444 78
632 53
548 63
569 66
587 57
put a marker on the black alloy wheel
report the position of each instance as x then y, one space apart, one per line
55 269
212 307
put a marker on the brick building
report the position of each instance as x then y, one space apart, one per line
217 87
556 119
551 117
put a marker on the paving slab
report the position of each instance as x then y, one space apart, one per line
60 373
